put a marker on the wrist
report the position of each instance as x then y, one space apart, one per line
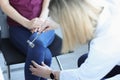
26 24
44 14
54 75
42 19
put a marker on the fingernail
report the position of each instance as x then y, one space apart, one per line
42 62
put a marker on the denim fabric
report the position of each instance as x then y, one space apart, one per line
19 37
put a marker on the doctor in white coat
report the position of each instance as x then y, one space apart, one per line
83 21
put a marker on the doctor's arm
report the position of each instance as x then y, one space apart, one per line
43 71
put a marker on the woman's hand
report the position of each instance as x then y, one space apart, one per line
50 24
36 23
40 70
45 25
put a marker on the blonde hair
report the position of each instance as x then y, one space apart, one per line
77 19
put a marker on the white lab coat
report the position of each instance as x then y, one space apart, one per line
104 51
1 75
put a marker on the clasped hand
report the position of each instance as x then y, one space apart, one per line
37 25
41 25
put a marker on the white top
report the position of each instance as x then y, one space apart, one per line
1 75
104 51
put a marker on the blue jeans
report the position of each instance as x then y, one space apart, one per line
19 36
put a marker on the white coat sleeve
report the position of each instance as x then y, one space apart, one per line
104 51
103 56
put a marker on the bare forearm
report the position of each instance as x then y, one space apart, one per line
12 13
45 10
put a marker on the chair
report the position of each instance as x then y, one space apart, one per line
12 55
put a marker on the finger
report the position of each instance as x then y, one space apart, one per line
40 30
35 30
35 64
32 69
31 66
33 73
47 29
43 64
44 27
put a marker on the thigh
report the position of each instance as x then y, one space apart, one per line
43 39
47 37
19 36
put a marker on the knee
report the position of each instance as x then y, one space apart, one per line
37 42
48 57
